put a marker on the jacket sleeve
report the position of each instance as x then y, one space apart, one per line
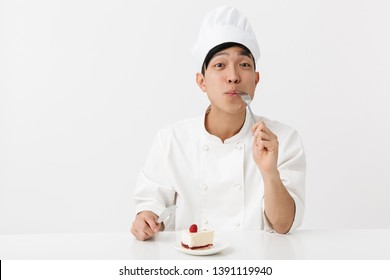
292 170
153 191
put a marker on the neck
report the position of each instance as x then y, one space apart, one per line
224 125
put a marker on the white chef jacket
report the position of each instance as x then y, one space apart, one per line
216 184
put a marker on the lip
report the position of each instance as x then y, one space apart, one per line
232 93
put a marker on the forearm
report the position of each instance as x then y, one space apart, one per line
278 203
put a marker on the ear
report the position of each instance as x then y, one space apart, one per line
257 80
200 80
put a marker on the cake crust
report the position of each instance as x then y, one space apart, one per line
208 246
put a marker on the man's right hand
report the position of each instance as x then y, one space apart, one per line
145 225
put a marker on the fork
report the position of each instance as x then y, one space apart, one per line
247 99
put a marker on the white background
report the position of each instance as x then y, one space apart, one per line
85 85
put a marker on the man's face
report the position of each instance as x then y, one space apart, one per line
229 71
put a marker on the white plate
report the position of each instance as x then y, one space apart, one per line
218 247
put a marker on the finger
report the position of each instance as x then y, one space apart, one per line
264 128
259 145
258 134
142 226
152 224
139 234
261 127
256 126
267 144
261 135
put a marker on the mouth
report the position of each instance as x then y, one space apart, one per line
232 93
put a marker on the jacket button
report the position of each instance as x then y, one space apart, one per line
237 187
237 224
205 148
204 187
238 147
205 221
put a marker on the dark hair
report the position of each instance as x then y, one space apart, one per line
222 47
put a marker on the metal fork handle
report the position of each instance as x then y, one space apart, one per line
251 114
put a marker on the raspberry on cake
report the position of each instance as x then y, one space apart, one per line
197 240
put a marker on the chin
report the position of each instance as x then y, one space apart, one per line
235 111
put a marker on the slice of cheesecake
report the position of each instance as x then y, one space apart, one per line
197 240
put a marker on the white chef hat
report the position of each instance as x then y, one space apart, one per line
223 25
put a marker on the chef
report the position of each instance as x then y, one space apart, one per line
223 170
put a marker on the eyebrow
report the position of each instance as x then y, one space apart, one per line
243 53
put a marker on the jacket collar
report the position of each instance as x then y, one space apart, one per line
235 138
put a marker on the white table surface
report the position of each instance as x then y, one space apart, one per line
301 245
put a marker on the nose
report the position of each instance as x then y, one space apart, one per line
233 77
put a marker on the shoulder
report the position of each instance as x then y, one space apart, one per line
286 134
290 144
278 127
181 129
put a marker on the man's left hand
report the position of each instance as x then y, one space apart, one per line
265 148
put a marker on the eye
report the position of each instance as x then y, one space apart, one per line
218 65
245 64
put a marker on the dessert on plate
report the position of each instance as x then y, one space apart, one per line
197 240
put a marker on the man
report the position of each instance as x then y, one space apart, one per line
222 170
